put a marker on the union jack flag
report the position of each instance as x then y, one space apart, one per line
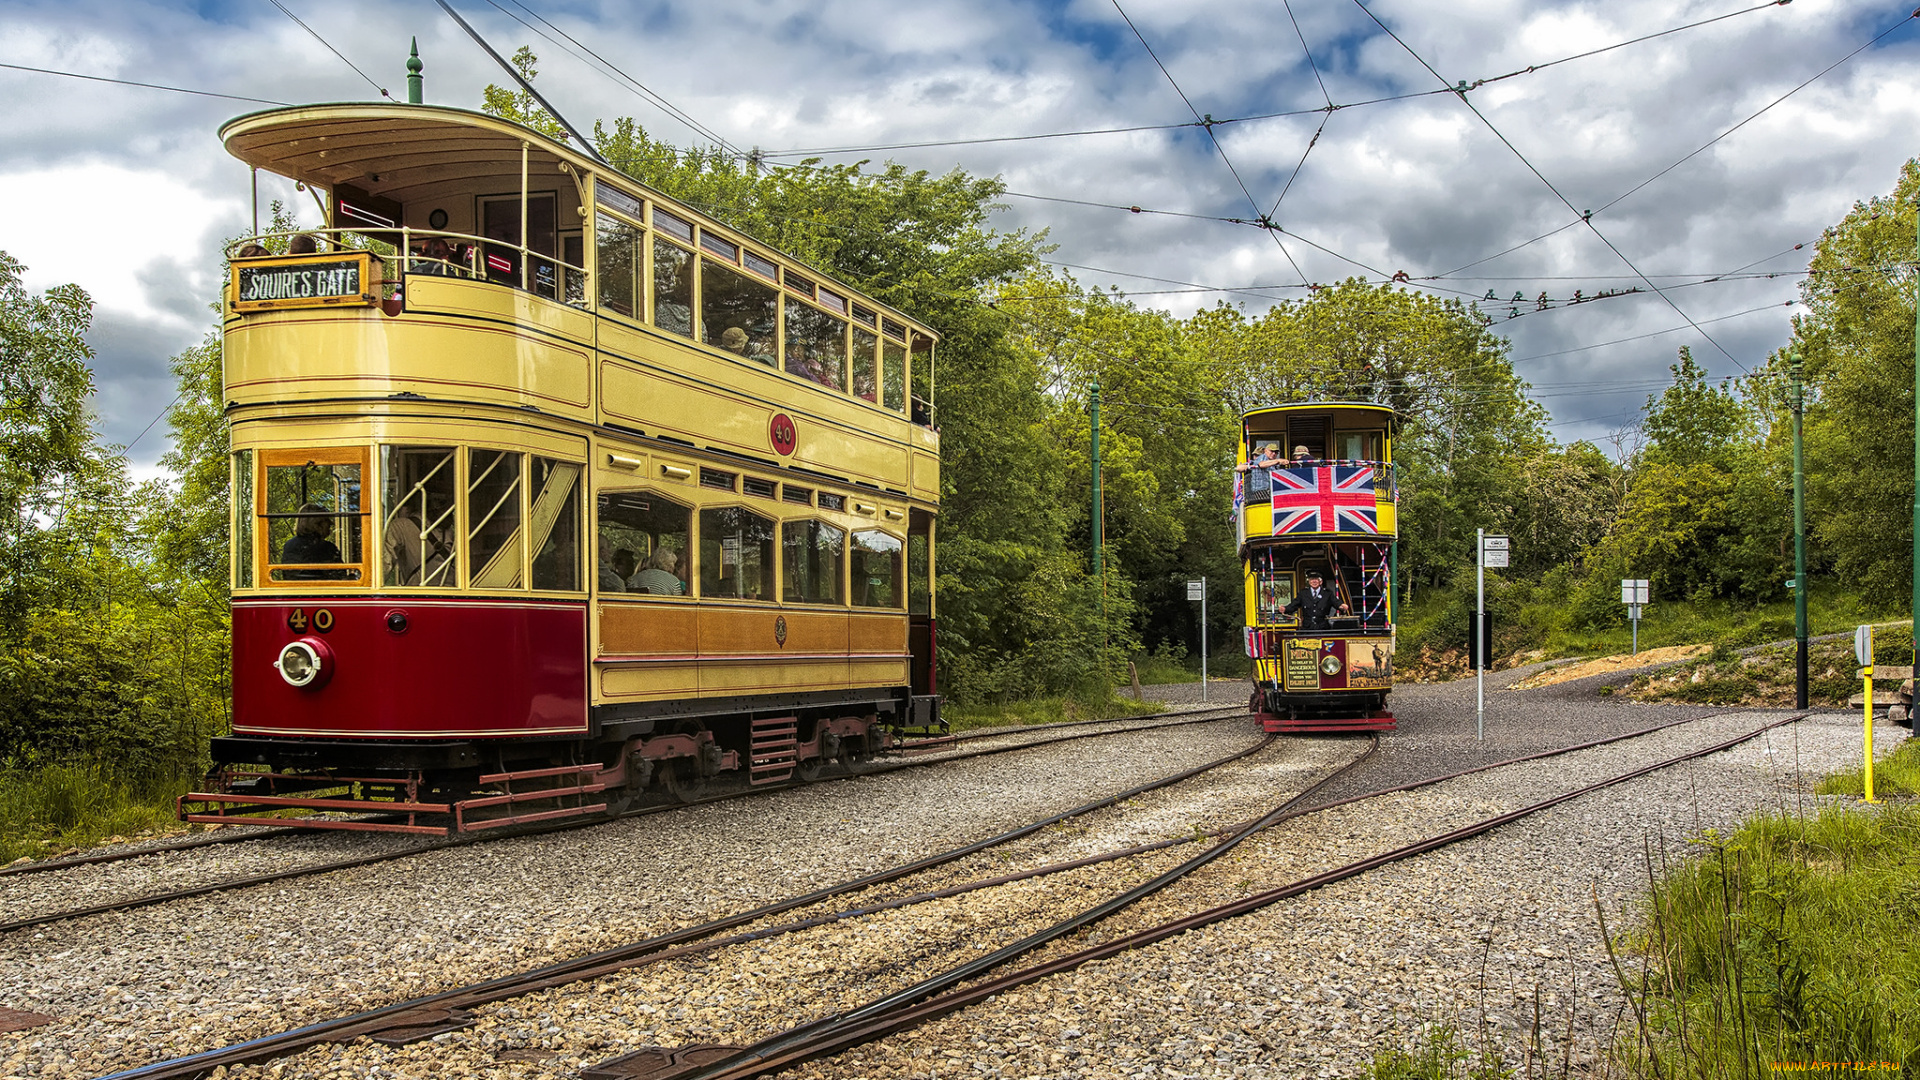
1326 498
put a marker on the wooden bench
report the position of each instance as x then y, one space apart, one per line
1899 702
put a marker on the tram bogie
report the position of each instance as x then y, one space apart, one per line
552 493
1315 507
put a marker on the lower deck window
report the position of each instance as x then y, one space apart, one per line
312 517
419 500
736 554
810 558
642 544
877 566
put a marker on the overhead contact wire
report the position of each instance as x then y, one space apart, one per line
329 46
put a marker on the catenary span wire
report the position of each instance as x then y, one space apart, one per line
1206 125
1587 218
1703 147
284 10
1307 51
142 85
614 71
1328 108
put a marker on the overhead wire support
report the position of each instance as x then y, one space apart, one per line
329 47
586 144
1586 218
1207 124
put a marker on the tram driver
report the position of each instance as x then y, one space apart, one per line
1315 603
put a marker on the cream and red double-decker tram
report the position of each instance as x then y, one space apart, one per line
550 490
1315 498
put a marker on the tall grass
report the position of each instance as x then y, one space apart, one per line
1790 941
60 807
1042 710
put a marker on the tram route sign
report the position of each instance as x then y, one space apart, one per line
347 279
1495 551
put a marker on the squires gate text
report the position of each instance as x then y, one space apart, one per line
297 283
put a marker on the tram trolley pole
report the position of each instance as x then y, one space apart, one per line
1197 590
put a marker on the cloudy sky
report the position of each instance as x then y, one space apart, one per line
126 191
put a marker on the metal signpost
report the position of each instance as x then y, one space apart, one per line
1863 651
1488 551
1636 593
1197 590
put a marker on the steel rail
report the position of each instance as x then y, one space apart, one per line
557 974
264 830
369 860
935 997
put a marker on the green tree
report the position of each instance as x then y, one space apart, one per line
518 105
1857 342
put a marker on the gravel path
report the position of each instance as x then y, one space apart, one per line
173 979
1311 986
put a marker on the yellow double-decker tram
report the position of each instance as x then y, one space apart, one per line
550 490
1315 504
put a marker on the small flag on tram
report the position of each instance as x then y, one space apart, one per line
1327 498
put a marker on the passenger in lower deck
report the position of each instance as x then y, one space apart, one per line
659 578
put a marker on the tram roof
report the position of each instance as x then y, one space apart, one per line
1319 406
396 150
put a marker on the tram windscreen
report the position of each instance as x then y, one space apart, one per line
736 554
419 534
493 519
313 521
553 520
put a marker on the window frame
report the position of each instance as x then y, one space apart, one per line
900 572
772 584
692 553
356 454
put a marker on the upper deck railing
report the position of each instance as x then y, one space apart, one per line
1304 500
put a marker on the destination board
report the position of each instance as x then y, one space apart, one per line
305 281
1303 664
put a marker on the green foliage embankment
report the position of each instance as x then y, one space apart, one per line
1788 941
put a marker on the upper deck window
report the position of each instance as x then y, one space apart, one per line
816 345
862 315
833 301
798 285
893 376
672 286
1358 445
737 313
724 248
671 225
617 248
618 201
864 383
893 329
764 267
313 519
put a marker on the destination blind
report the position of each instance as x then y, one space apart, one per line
285 285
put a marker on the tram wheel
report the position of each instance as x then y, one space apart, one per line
681 778
809 770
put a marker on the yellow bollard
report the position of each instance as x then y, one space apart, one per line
1867 673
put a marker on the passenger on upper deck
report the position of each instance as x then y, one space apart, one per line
437 259
303 244
252 251
1264 460
1302 456
734 340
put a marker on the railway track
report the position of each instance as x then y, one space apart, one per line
1193 716
930 997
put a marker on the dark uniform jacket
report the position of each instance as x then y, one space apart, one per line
1314 606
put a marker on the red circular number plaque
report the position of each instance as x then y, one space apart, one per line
783 434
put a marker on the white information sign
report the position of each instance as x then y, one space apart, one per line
1863 645
1495 551
1636 591
1196 590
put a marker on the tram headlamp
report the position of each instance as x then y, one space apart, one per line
1330 664
306 664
